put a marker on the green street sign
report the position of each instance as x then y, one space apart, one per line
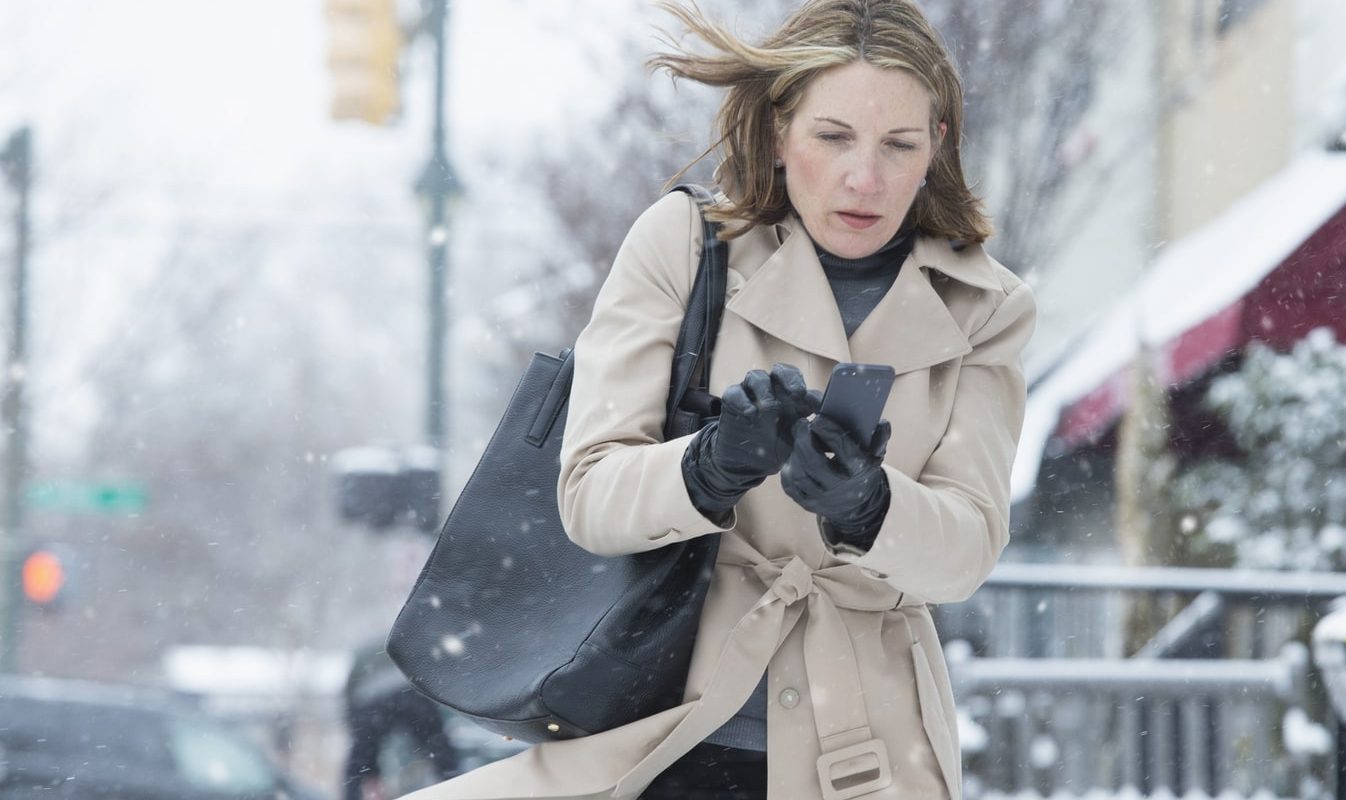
94 498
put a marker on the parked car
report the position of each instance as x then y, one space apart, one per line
76 740
402 740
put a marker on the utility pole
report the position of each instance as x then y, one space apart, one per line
15 161
411 483
438 184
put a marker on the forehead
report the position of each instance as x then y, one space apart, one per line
860 92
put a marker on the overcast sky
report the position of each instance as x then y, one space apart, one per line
152 115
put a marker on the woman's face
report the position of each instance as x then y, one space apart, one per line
855 154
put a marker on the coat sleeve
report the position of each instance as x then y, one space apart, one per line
945 530
621 488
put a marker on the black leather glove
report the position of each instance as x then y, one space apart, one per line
751 439
849 490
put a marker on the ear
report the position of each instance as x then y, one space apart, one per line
779 128
943 129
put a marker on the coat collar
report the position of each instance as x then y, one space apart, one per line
789 297
965 263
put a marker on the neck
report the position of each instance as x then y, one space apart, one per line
890 255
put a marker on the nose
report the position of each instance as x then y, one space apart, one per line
864 175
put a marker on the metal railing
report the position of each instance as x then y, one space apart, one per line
1221 699
1185 726
1068 611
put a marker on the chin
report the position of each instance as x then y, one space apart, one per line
858 247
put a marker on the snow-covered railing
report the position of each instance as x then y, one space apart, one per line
1267 585
1151 727
1215 703
1078 611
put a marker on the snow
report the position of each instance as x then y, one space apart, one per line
1329 654
366 460
1209 269
1333 628
1282 506
254 670
1043 752
972 736
1303 737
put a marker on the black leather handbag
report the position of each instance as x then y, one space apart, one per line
518 628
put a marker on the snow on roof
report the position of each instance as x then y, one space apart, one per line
1192 279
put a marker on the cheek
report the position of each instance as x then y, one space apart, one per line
910 174
806 175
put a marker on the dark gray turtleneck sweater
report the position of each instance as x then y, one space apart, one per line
858 285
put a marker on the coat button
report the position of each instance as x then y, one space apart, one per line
789 698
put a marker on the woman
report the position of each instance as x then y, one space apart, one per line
817 671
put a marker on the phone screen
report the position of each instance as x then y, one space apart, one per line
855 396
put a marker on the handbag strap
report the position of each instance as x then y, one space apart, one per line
701 321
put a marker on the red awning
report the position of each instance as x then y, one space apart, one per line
1270 269
1306 291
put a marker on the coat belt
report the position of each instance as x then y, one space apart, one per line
853 762
621 762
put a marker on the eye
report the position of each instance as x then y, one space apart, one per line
901 145
831 137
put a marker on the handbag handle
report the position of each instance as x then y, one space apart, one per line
700 324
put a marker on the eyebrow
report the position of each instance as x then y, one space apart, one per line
839 123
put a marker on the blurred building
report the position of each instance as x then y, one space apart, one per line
1197 103
1210 199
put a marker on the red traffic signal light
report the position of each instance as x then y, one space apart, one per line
44 575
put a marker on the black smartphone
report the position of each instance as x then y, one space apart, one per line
855 396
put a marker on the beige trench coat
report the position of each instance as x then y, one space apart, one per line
859 702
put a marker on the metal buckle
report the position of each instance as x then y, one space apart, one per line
854 771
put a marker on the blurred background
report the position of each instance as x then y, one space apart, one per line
269 271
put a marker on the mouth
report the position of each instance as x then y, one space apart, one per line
858 219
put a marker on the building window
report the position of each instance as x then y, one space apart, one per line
1233 13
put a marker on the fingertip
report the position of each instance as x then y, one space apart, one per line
882 433
789 379
758 383
736 400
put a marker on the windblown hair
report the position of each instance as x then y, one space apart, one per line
766 83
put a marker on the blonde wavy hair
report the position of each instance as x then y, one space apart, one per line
766 83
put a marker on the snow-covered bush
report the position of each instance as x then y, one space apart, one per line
1283 504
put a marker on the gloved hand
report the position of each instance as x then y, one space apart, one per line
848 490
751 439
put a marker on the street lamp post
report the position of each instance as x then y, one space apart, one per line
378 482
438 185
15 162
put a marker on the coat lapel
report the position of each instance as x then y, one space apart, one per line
911 327
789 297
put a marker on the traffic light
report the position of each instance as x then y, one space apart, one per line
364 48
45 576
